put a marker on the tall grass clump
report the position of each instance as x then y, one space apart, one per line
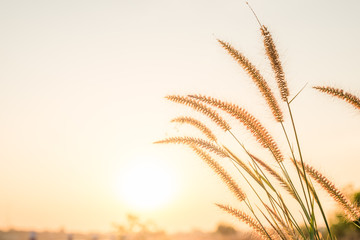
283 179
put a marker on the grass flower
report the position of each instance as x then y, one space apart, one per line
270 203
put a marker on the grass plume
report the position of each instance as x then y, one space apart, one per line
225 177
248 120
254 224
257 78
191 141
352 211
268 197
199 125
340 93
196 105
273 56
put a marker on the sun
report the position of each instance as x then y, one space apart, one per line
146 184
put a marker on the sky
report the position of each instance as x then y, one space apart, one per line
82 86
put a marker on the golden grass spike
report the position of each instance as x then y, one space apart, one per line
254 224
242 164
225 177
196 105
191 141
339 93
352 211
199 125
272 54
273 173
257 79
249 121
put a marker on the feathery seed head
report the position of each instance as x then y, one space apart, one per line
225 177
273 56
249 121
340 93
257 78
196 105
254 224
191 141
199 125
351 210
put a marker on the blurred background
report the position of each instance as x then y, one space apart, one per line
82 86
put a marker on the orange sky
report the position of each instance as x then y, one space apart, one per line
81 98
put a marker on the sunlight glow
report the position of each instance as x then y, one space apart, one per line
146 184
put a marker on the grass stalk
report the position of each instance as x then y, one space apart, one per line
265 179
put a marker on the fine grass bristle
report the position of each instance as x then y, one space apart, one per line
273 56
199 125
254 224
268 183
225 177
196 105
340 93
249 121
257 78
191 141
351 210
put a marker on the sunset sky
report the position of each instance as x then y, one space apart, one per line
82 86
